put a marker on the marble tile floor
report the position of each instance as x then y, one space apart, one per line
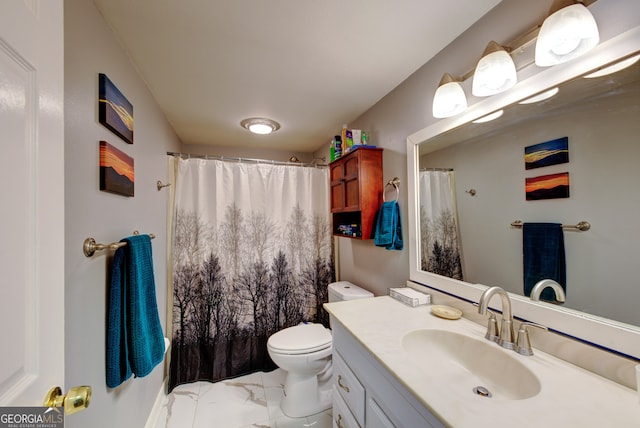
248 401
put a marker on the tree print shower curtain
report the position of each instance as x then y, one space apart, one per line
252 254
439 239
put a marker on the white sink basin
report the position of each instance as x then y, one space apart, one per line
465 363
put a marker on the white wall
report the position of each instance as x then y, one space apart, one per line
406 110
91 48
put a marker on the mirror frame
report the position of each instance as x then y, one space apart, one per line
612 335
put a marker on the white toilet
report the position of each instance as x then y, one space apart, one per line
304 352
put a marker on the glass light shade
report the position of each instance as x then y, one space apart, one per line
260 125
540 97
614 68
494 73
259 128
449 100
489 117
566 34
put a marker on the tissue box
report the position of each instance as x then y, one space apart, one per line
410 296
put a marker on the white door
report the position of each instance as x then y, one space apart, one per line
31 200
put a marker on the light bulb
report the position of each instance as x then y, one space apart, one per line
566 34
494 73
449 100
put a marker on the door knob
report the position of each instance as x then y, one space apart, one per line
77 399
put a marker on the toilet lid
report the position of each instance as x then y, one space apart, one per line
303 338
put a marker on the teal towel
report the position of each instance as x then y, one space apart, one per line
543 257
388 232
135 342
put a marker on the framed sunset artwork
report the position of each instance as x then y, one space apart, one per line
116 170
115 112
552 186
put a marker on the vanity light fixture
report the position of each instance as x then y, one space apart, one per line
260 125
449 99
495 72
540 97
621 65
569 31
489 117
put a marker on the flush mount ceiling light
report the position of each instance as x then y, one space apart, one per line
260 125
540 97
449 99
614 68
489 117
494 73
569 31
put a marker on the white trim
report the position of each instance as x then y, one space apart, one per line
156 410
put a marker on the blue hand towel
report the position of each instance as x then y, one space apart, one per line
117 360
135 342
543 256
388 232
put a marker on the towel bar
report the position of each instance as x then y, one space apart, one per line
90 246
582 226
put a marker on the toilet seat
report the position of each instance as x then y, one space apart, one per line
301 339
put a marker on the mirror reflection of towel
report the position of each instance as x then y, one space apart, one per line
388 232
543 256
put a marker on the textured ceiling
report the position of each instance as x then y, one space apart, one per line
311 65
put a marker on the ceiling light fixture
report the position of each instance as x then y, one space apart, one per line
449 99
614 68
494 73
260 125
489 117
569 31
540 97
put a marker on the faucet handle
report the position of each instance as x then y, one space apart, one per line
493 334
523 344
492 327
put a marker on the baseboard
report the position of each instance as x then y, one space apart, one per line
156 410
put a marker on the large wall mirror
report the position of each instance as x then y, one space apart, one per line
600 119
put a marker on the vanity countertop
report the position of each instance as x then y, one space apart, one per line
569 396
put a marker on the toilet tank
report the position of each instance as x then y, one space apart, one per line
344 290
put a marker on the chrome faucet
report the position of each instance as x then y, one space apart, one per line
536 291
507 333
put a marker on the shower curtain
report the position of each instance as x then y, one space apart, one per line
439 238
252 254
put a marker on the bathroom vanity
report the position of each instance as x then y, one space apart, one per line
398 366
366 394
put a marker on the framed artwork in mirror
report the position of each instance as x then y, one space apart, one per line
115 112
552 186
549 153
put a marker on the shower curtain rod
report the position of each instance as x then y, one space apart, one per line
437 169
247 160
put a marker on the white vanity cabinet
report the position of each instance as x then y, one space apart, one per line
366 395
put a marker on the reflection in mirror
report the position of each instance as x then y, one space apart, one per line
600 118
439 236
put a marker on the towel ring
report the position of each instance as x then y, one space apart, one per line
395 183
